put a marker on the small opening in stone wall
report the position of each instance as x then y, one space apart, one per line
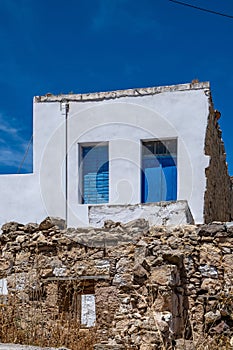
76 299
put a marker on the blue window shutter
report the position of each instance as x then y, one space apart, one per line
154 183
170 173
95 169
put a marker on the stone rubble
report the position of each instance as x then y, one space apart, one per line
155 287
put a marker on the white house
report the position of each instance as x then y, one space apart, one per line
119 148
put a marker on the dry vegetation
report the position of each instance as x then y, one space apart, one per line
31 326
24 325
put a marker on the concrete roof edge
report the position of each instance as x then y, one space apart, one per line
98 96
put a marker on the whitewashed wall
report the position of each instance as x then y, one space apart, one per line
123 122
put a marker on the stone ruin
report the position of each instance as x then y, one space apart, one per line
138 286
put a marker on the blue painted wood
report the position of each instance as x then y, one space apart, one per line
159 179
95 168
170 173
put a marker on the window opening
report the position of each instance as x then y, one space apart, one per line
159 170
76 299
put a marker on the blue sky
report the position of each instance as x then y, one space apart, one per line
98 45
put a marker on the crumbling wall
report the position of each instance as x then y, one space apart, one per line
231 178
218 195
153 285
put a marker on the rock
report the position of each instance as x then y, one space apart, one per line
140 274
164 275
212 317
111 224
46 224
173 257
231 341
31 228
211 229
142 305
10 227
40 238
163 326
108 347
60 223
222 327
150 337
211 286
20 239
181 344
208 271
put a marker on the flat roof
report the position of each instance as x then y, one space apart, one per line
107 95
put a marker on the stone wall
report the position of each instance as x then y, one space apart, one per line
218 201
155 287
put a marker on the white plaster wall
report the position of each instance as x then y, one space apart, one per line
20 199
122 122
31 197
49 150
